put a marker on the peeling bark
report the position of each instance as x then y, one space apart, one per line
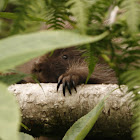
47 112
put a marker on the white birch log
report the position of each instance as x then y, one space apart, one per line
47 112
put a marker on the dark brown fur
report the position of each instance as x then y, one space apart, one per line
68 66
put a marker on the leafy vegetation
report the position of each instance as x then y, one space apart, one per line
10 116
110 29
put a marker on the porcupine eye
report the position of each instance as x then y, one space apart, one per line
65 57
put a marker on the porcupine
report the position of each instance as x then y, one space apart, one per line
69 68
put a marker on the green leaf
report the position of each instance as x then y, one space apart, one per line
92 60
1 4
132 8
130 76
21 48
81 128
12 79
132 79
81 10
9 15
131 58
9 115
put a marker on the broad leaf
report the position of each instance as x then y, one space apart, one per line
1 4
81 128
12 79
18 49
9 15
9 115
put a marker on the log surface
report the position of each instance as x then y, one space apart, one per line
47 112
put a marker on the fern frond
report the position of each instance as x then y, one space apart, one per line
100 9
80 10
56 14
136 118
91 59
132 13
19 24
25 11
132 80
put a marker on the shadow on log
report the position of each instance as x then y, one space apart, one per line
47 112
